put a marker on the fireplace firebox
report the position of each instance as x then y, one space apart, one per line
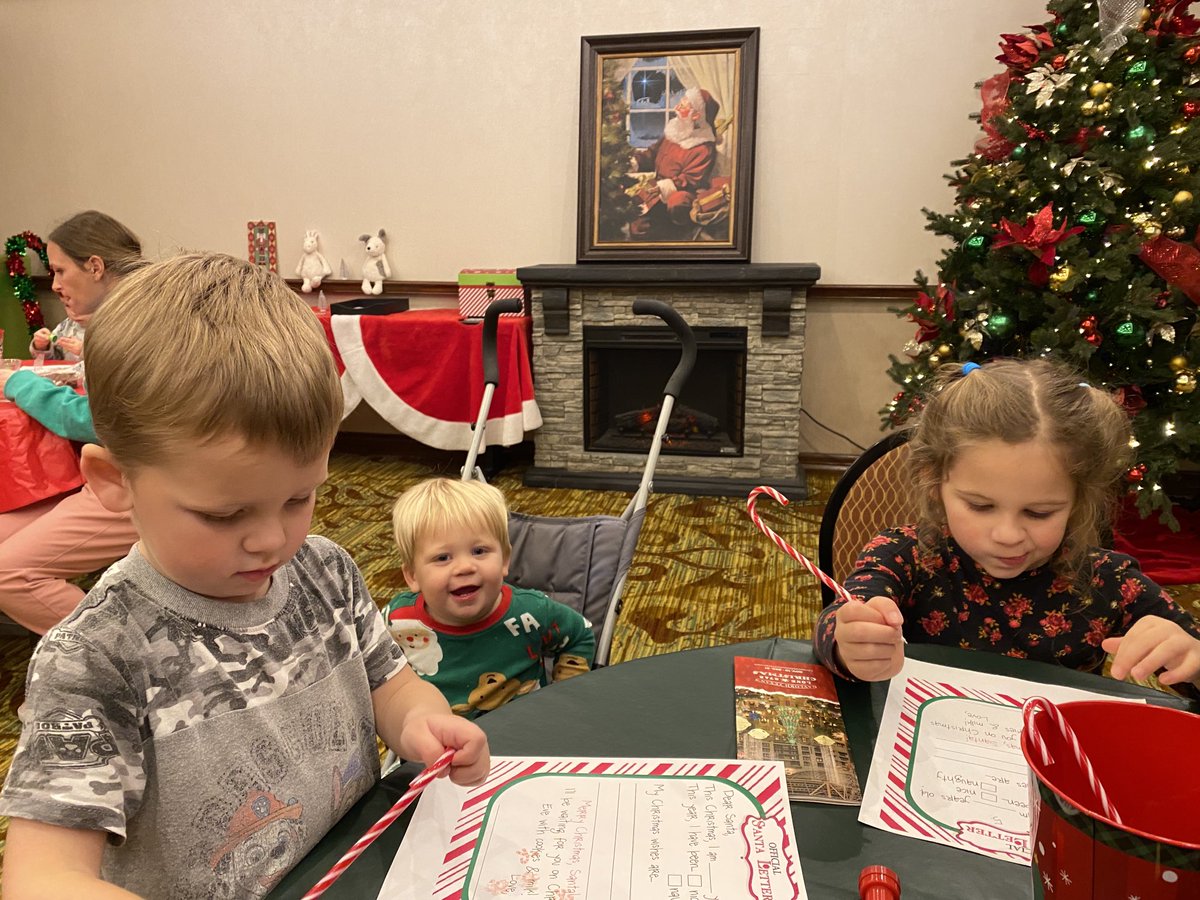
751 390
625 371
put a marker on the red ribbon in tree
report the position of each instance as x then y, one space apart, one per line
1177 264
993 146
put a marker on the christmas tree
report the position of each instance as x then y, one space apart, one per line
616 208
1075 230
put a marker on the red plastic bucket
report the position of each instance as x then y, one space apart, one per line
1141 756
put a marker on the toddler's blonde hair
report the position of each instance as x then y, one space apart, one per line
439 505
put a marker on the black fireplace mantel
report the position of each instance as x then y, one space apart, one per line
776 280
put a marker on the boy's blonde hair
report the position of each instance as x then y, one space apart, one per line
204 347
439 505
92 233
1016 401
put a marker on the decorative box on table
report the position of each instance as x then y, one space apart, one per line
479 287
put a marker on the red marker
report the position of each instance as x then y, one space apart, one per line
878 883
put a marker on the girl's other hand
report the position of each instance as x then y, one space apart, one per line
41 339
869 638
1151 645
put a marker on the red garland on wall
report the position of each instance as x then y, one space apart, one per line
16 248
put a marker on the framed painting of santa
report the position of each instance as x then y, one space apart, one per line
666 146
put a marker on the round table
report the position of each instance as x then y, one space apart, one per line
680 705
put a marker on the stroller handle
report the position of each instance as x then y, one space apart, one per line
491 322
687 359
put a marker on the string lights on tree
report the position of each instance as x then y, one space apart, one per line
1076 233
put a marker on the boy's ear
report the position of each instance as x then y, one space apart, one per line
106 478
410 579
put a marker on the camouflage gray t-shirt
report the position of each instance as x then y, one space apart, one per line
215 742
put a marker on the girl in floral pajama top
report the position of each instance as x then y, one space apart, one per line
1013 469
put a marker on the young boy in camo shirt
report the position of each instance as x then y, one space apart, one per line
210 708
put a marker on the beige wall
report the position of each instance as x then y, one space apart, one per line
454 125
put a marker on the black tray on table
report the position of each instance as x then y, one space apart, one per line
369 306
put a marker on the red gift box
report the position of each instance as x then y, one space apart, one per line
479 287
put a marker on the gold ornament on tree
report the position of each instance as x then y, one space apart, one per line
1179 363
1183 198
1185 382
1059 278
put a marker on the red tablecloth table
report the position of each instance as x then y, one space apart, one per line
38 464
422 371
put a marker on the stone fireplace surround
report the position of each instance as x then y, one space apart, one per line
768 299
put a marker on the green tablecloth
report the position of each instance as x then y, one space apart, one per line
680 705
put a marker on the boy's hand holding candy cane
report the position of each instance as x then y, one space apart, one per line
413 719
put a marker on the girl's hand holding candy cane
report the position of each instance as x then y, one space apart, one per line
870 636
870 642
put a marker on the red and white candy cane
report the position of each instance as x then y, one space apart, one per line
1029 710
414 789
784 545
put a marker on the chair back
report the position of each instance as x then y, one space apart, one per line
873 494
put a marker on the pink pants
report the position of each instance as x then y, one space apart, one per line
44 544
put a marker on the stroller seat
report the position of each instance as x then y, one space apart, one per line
580 562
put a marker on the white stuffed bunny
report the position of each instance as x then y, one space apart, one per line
375 266
312 267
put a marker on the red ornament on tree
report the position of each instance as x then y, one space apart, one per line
1136 474
1192 54
1088 329
1059 61
1130 397
1191 108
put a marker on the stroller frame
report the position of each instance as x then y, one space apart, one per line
541 544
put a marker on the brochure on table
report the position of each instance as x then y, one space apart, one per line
593 829
948 766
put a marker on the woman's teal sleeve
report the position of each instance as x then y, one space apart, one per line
58 407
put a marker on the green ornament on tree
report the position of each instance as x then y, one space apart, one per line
1061 30
1000 324
1092 296
977 245
1139 136
1129 334
1091 220
1141 70
1020 151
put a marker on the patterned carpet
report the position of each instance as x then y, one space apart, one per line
703 574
